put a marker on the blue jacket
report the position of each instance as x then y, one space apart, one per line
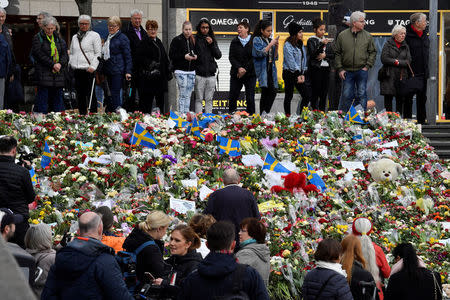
85 269
336 288
119 62
5 58
214 278
294 58
260 62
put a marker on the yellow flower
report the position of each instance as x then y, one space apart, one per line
35 222
286 253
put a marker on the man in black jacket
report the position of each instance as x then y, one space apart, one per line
419 46
136 34
232 203
205 81
16 189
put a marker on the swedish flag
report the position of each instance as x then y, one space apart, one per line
143 137
353 116
46 156
195 129
270 163
315 179
380 137
358 139
229 146
300 149
178 120
33 176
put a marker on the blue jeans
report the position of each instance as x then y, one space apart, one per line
115 86
354 81
186 83
48 99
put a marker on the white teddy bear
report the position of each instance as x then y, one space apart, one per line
384 170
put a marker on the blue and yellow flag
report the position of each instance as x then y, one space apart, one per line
358 139
180 122
300 149
380 137
353 116
229 146
143 137
195 129
270 163
33 176
46 159
315 179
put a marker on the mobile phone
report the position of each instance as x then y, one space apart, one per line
149 276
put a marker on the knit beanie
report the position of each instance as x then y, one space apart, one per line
294 28
107 217
362 226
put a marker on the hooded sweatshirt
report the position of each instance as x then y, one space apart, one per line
258 257
44 260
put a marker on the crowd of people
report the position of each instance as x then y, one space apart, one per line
133 68
221 253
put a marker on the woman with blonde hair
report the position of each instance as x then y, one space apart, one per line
150 258
362 284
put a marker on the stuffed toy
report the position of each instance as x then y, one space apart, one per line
384 170
294 181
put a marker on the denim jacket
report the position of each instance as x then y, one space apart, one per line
293 58
260 62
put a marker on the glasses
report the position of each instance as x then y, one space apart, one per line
152 29
85 24
113 26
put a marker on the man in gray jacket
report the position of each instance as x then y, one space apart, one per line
355 55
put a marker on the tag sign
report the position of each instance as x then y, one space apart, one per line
182 206
352 165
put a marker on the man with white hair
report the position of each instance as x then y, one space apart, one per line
232 203
355 55
419 47
136 34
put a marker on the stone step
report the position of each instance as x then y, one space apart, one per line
437 135
435 128
440 145
443 154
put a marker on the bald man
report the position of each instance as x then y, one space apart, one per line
86 268
232 203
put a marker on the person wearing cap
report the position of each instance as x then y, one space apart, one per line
377 264
295 67
16 189
108 237
26 262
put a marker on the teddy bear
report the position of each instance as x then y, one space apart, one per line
385 169
294 180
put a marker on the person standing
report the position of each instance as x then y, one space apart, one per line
295 68
85 49
320 55
242 72
5 68
206 66
183 59
419 46
395 57
265 53
153 69
118 64
50 53
355 54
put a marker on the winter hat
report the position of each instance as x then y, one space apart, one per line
107 217
294 28
7 217
362 226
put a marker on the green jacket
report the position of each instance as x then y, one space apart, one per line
354 51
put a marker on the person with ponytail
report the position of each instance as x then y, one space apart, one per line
355 266
410 279
373 254
150 259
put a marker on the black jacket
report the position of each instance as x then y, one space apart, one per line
147 52
207 54
151 258
134 41
85 269
232 203
241 57
213 277
400 286
388 85
360 274
179 47
16 189
41 53
8 38
336 287
314 47
419 48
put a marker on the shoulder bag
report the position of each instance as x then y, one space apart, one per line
410 85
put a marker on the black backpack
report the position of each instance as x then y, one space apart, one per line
236 293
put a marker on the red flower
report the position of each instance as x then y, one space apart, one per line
209 137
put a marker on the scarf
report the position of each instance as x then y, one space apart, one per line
399 266
418 32
244 41
337 267
81 35
105 50
247 242
53 50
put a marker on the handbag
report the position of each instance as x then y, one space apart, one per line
153 72
382 73
436 287
410 85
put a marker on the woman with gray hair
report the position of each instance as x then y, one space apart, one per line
395 57
85 49
38 242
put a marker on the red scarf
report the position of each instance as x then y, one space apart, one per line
418 32
398 44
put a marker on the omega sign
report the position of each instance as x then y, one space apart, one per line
224 21
227 22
